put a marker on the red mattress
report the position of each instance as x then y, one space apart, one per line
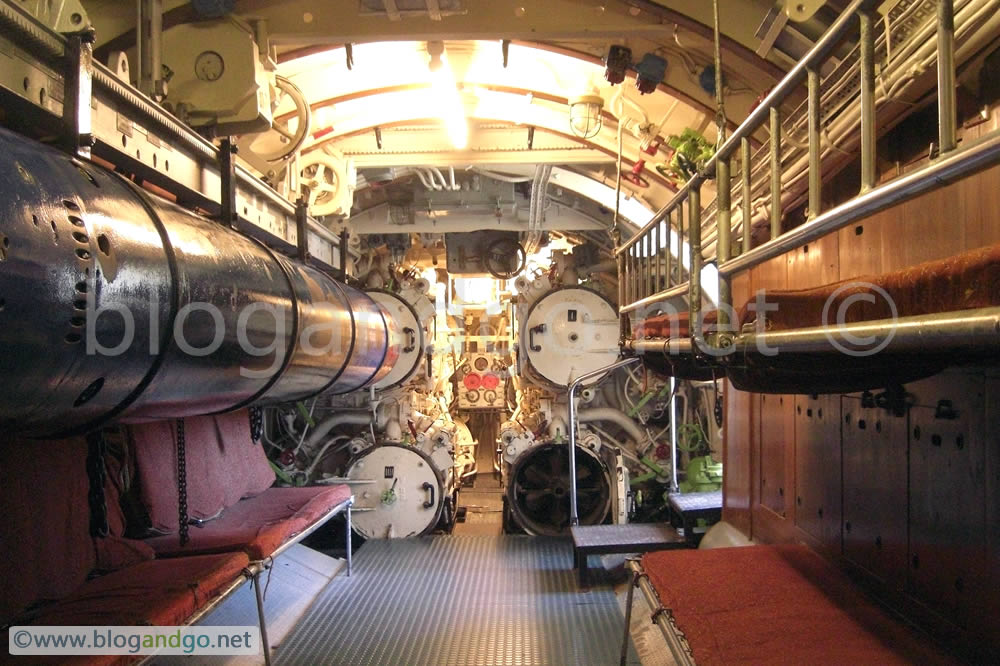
257 525
780 605
963 282
157 592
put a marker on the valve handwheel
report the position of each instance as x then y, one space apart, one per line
505 258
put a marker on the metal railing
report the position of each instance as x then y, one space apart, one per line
647 274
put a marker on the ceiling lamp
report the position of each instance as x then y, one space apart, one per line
435 50
585 115
447 96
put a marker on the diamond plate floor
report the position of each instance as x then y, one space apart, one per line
460 601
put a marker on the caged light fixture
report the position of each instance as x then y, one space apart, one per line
585 115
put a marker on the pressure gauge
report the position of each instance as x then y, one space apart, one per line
209 66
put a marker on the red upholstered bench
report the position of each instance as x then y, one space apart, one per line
258 525
230 498
61 575
773 604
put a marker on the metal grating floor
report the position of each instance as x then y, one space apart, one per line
460 601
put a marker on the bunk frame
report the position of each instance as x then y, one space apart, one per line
648 278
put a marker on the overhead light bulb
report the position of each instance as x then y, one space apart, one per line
449 100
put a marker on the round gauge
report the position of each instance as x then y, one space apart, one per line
209 66
472 381
490 381
472 396
481 363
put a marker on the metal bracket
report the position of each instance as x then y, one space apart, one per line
893 400
302 229
227 171
78 90
945 410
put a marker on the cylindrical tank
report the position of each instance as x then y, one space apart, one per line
116 304
567 333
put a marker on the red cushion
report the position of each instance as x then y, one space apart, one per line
777 604
158 592
243 466
965 281
155 448
258 525
45 532
223 465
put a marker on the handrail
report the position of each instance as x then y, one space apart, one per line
574 517
641 258
819 52
970 159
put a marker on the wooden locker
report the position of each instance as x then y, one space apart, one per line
817 468
947 507
874 451
776 441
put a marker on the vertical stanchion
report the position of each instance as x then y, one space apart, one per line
724 224
867 47
670 250
815 172
745 200
947 108
775 172
694 277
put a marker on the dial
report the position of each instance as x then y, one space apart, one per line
209 66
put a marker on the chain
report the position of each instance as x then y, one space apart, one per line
256 423
96 475
182 499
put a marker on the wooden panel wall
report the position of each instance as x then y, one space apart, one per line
987 596
818 486
902 496
875 469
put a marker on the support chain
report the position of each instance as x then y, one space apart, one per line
256 423
182 498
96 475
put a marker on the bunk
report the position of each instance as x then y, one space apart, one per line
231 502
97 576
122 559
967 284
770 604
231 499
946 311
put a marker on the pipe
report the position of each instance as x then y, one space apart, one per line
574 517
322 453
500 176
673 434
353 417
972 330
616 416
426 178
451 176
